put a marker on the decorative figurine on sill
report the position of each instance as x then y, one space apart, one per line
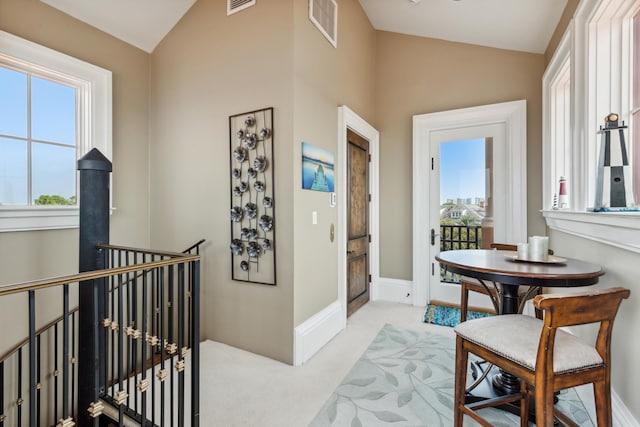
554 205
563 200
612 194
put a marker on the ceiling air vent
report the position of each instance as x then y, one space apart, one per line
324 14
234 6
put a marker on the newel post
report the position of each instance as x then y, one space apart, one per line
95 170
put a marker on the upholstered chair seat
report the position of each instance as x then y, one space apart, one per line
519 342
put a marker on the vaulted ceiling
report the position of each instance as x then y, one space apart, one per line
525 25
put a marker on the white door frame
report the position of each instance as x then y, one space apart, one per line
347 119
514 117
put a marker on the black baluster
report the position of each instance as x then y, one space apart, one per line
135 323
143 376
121 321
130 324
188 301
38 372
72 367
2 394
32 358
112 376
180 343
19 400
161 345
154 279
96 349
170 340
195 348
157 325
65 352
55 371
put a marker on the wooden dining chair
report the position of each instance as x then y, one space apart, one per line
491 289
544 357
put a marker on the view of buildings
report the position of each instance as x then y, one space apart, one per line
462 211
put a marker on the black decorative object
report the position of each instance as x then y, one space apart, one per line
252 248
612 193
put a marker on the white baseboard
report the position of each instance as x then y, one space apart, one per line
312 334
392 290
621 415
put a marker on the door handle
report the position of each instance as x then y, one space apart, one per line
351 252
433 236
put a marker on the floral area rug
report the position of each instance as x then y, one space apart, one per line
405 378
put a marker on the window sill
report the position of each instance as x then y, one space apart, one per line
38 218
620 229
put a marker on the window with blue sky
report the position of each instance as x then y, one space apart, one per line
38 143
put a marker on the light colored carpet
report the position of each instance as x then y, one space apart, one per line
239 388
242 389
405 378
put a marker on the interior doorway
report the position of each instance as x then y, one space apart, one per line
349 121
504 125
358 198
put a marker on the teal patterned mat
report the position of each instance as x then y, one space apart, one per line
448 316
405 378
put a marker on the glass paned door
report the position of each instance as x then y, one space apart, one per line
465 189
466 214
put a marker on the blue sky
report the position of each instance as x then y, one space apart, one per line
462 169
52 119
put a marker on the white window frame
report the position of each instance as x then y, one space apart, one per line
95 98
600 46
556 96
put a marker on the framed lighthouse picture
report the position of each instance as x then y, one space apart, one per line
317 168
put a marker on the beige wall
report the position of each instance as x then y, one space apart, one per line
417 75
35 255
621 269
563 24
208 68
325 78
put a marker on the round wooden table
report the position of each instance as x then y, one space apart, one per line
500 267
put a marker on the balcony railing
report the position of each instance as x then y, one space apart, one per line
458 237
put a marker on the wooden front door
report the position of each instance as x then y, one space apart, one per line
357 222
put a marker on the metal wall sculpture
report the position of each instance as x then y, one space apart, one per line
252 215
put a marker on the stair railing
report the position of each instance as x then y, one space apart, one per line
144 355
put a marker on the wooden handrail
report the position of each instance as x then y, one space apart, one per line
92 275
25 341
